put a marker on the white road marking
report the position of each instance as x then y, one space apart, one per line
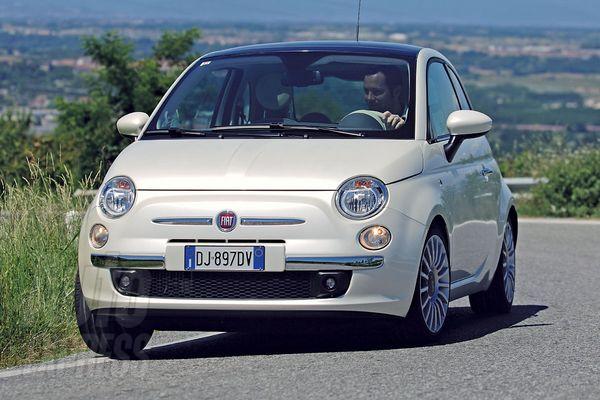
560 221
30 369
189 339
51 366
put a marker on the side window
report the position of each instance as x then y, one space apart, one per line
441 99
462 97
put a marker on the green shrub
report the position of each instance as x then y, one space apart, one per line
526 163
573 187
38 259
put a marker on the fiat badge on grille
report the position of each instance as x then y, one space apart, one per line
226 221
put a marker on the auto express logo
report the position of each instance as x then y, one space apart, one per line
226 221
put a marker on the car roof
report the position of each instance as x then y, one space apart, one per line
328 46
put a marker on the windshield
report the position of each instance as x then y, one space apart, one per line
292 91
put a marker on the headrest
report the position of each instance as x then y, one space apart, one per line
270 92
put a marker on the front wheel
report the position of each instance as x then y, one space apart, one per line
429 307
106 335
498 298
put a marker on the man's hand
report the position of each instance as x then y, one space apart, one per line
393 120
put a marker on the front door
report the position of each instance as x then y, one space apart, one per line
460 179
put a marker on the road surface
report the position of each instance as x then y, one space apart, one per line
548 347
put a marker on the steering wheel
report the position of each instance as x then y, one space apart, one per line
363 119
315 117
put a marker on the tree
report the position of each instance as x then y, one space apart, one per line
14 146
174 46
86 136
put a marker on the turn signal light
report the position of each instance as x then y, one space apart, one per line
375 237
98 236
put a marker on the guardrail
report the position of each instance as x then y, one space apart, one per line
520 186
83 193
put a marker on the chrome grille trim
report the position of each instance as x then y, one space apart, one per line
325 263
271 221
127 261
184 221
291 263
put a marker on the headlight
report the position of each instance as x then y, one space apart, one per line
117 196
361 197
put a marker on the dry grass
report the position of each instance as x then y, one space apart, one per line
38 259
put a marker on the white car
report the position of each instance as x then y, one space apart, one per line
296 182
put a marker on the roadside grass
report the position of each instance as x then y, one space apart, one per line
38 259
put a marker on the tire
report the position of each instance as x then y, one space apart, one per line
498 298
429 308
106 335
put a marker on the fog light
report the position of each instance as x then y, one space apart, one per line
125 281
98 236
375 237
330 283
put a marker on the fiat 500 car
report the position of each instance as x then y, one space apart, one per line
293 182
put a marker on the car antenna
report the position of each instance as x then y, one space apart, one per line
358 20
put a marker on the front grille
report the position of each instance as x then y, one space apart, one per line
231 285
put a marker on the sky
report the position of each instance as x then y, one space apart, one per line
538 13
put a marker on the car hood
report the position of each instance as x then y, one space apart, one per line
264 164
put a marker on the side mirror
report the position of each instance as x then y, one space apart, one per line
465 124
132 123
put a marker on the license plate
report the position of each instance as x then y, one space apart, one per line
213 258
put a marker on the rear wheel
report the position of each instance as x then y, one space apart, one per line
106 335
499 296
429 307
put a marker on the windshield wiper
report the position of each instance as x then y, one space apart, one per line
321 129
175 132
286 128
274 130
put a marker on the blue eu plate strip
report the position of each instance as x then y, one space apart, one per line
190 258
259 257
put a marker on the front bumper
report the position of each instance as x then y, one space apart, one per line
382 281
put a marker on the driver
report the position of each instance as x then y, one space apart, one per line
383 93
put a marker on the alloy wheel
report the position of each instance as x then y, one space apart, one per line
434 284
508 263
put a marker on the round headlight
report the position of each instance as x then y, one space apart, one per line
361 197
117 196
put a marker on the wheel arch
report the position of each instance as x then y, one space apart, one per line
440 222
513 221
507 211
437 219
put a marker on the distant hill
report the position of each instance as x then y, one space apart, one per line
548 13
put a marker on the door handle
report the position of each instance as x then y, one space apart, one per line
485 171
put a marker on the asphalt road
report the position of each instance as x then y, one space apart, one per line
548 347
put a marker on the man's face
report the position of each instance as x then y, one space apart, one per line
378 95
